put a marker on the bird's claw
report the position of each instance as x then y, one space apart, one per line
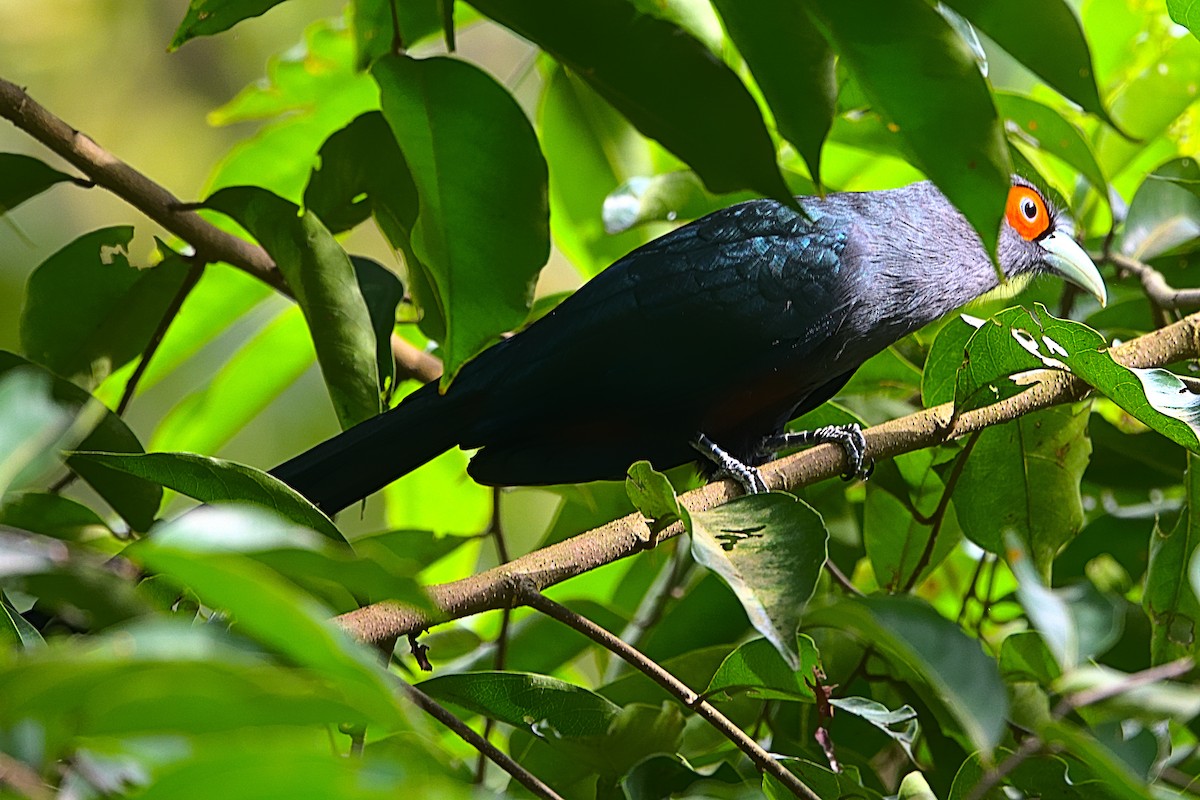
849 437
749 478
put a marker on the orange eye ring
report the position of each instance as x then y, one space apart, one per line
1026 212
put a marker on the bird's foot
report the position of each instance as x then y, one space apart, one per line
849 437
749 478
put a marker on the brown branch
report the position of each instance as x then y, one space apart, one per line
486 748
210 242
1160 293
493 588
528 594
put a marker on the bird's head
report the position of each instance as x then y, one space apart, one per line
1037 238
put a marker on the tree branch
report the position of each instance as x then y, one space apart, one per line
210 242
493 589
529 595
1161 293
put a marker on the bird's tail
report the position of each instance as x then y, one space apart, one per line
362 460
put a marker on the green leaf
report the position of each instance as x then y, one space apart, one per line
1169 597
757 668
1048 611
1024 657
1165 212
374 27
15 631
915 787
206 17
1017 340
919 75
590 150
88 311
946 355
55 516
1045 36
382 291
769 549
822 780
1023 478
136 500
960 676
1046 129
214 480
1186 13
23 177
482 229
33 427
662 79
652 494
267 607
547 706
666 776
1115 775
792 64
322 278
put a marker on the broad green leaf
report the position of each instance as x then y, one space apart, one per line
920 76
252 378
1023 478
214 480
23 177
1149 103
959 675
1017 340
55 516
1165 212
547 706
651 493
1186 13
769 548
662 79
311 91
136 500
1045 36
417 20
267 607
1172 581
792 64
88 311
1049 131
320 274
1115 775
899 725
590 151
206 17
945 357
1048 611
758 669
482 230
1149 702
15 631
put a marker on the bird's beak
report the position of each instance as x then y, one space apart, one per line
1070 261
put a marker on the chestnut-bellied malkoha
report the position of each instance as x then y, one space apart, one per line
706 341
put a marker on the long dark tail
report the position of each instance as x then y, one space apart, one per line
362 460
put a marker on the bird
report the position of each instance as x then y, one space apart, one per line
703 344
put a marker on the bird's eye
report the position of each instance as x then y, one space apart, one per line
1026 212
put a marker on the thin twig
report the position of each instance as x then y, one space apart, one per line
501 657
1160 293
442 715
528 594
840 578
189 283
492 589
210 242
939 514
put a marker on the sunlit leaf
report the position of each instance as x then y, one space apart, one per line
917 72
1172 580
1049 131
757 668
206 17
1186 13
482 229
214 480
769 548
88 311
664 81
900 724
1165 212
320 274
